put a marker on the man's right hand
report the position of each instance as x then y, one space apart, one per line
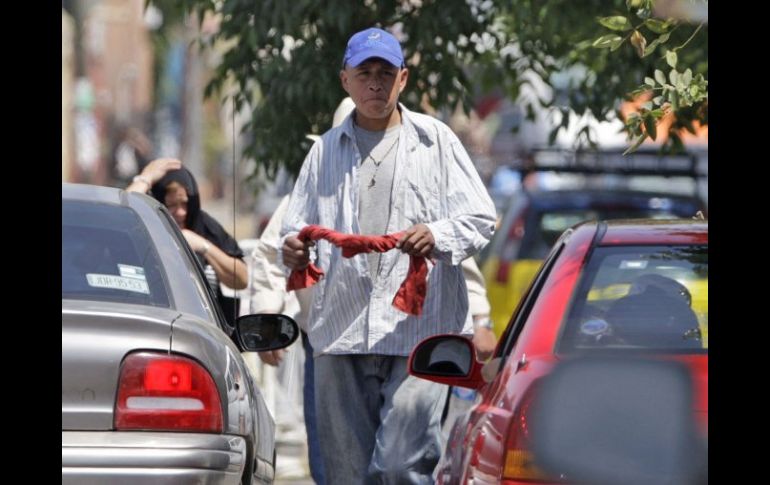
485 342
272 357
296 254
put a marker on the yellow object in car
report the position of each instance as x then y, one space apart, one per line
506 284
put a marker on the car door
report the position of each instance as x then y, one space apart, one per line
489 422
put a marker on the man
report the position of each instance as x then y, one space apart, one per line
384 170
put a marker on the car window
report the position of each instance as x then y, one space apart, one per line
207 295
545 227
107 255
637 297
514 328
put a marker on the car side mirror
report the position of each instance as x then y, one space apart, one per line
447 359
265 331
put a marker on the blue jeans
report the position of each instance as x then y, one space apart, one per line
376 423
308 407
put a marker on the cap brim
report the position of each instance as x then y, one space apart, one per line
359 58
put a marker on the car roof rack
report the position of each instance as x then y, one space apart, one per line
645 161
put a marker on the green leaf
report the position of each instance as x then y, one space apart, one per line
674 100
649 82
687 76
657 26
650 124
616 22
660 77
655 43
650 48
636 144
615 44
673 77
606 41
671 58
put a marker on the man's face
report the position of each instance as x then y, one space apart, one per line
176 203
374 85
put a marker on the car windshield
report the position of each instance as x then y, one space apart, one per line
107 255
641 297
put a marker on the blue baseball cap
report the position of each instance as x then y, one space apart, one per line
370 43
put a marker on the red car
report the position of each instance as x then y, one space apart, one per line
620 287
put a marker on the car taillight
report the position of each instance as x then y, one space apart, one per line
166 392
519 461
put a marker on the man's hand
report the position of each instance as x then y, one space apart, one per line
485 342
417 241
296 254
272 357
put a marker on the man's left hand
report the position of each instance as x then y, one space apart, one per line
417 241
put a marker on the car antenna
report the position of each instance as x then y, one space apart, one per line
235 235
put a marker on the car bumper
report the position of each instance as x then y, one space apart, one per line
118 457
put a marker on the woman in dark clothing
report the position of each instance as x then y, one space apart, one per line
175 187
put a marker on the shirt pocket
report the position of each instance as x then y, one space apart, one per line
418 201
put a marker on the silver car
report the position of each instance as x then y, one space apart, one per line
154 388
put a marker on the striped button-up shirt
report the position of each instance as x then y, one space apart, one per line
435 183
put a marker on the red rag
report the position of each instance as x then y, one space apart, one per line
409 297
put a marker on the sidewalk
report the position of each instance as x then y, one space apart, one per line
291 464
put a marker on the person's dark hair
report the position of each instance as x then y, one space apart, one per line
184 178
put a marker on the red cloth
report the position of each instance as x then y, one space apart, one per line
409 297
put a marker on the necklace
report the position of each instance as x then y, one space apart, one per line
377 164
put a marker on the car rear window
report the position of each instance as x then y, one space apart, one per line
107 255
641 297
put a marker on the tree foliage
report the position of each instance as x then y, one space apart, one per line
284 57
617 45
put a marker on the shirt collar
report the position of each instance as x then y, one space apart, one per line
413 130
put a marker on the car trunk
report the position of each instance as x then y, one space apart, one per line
95 339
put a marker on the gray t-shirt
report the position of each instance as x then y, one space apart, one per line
375 182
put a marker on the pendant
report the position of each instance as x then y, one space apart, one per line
371 183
